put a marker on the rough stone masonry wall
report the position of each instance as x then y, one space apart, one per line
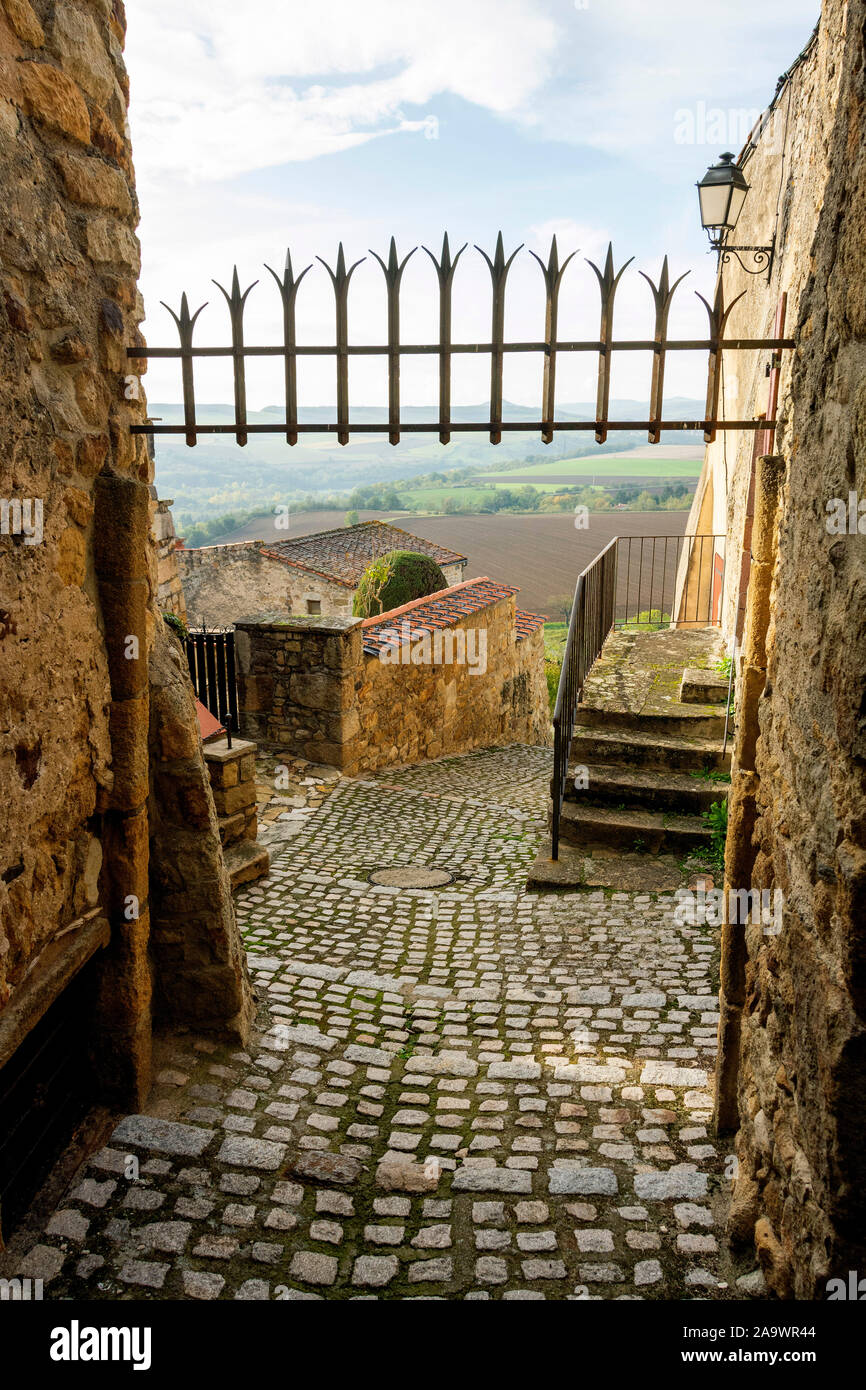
222 583
800 1194
787 172
169 591
307 685
412 713
77 617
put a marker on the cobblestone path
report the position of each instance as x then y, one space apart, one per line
472 1092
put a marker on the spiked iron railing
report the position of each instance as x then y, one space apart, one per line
445 349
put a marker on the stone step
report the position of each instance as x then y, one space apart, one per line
578 869
682 720
632 830
647 749
610 785
703 687
246 860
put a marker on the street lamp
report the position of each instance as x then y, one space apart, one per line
722 192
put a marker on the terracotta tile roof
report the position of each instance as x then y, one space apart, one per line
342 555
527 623
442 610
208 726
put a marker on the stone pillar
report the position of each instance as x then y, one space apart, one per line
297 685
120 542
232 773
740 852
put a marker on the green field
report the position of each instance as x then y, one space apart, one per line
554 640
431 498
601 466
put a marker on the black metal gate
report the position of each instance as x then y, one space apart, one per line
45 1090
210 653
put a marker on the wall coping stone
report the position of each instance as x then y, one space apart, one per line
304 622
219 751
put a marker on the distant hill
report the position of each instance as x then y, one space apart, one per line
217 476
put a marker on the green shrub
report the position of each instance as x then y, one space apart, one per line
177 625
716 822
395 579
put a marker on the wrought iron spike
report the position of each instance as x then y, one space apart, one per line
185 326
718 316
553 273
236 302
445 267
393 273
663 294
287 283
717 313
607 284
340 280
499 268
288 287
393 268
185 323
341 276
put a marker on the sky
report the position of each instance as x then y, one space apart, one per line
269 124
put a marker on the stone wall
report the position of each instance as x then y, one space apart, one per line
793 1035
787 166
79 568
306 685
169 590
222 583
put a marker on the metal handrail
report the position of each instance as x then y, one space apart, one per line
599 607
591 620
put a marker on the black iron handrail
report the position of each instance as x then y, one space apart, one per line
591 620
610 593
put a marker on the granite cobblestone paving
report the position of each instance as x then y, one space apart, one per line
473 1092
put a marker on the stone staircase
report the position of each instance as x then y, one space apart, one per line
646 763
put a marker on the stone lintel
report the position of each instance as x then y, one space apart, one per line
56 966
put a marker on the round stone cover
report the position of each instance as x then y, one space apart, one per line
411 876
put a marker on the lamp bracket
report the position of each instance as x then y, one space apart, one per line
761 256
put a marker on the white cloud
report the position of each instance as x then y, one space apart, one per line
221 88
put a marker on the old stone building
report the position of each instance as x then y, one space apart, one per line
791 1079
458 670
101 764
169 590
316 574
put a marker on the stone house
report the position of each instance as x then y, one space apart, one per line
316 574
458 670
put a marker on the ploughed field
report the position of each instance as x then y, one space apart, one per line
541 554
